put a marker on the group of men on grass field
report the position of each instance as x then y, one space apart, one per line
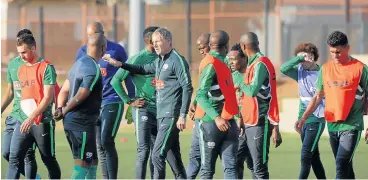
235 109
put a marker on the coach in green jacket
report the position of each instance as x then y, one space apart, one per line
173 94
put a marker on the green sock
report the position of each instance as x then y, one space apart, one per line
79 172
91 174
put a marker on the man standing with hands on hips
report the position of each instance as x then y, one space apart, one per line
173 94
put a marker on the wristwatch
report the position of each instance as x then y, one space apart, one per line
60 108
130 101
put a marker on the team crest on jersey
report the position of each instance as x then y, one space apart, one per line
107 55
165 67
239 97
160 84
17 85
312 89
103 71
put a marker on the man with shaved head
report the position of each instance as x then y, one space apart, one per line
79 103
194 164
112 104
260 111
203 44
215 110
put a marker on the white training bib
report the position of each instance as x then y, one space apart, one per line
28 106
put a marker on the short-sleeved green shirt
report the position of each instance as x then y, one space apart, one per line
144 87
13 78
237 76
355 117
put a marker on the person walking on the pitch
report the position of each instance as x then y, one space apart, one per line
343 83
261 115
30 164
173 93
304 69
79 104
239 62
194 164
144 107
216 106
34 82
112 106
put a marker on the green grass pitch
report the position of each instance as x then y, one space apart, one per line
284 161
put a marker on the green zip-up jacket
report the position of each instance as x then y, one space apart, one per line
144 87
259 87
290 69
173 83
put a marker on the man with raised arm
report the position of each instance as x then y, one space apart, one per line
173 94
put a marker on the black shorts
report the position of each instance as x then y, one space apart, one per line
82 144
